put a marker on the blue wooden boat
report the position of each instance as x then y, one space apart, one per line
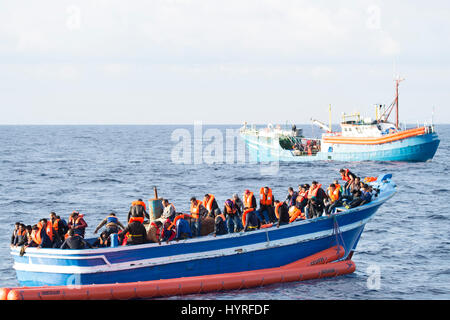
264 248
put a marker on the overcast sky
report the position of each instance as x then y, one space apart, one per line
180 61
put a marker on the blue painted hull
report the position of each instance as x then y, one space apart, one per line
265 248
414 149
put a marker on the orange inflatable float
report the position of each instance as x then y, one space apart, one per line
313 267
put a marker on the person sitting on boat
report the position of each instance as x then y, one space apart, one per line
356 200
103 240
334 199
183 229
210 203
232 215
77 223
15 232
266 209
169 210
366 194
138 209
74 241
20 237
281 212
316 205
44 234
167 233
348 177
249 200
135 233
301 201
220 225
154 232
112 223
198 211
291 197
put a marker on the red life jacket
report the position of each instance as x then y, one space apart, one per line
277 206
313 191
345 176
139 219
139 203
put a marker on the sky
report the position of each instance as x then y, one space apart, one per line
221 62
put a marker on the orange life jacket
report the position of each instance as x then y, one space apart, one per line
334 196
221 216
37 234
139 219
139 203
244 215
248 200
266 199
208 203
302 196
181 216
313 191
294 213
195 209
230 209
345 176
55 225
278 205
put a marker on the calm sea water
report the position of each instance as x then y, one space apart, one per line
99 169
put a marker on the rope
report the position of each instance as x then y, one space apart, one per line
338 233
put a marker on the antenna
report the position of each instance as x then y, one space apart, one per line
397 82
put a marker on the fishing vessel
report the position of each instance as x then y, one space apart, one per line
360 139
269 247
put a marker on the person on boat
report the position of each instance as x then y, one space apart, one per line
349 177
220 225
338 186
249 200
291 197
252 221
183 229
103 240
59 229
74 241
366 194
77 223
44 234
281 212
138 209
266 206
135 233
356 200
316 196
15 232
169 210
198 211
112 224
302 198
21 236
334 199
32 241
232 215
167 233
154 232
210 203
239 204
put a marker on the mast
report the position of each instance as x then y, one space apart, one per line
397 82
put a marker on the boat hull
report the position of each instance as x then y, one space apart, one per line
265 248
414 149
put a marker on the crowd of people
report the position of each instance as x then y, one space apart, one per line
308 202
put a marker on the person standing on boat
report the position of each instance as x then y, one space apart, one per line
59 229
198 211
239 204
232 215
266 205
77 223
349 178
249 200
138 209
291 197
112 223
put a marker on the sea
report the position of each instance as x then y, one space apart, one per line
403 253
